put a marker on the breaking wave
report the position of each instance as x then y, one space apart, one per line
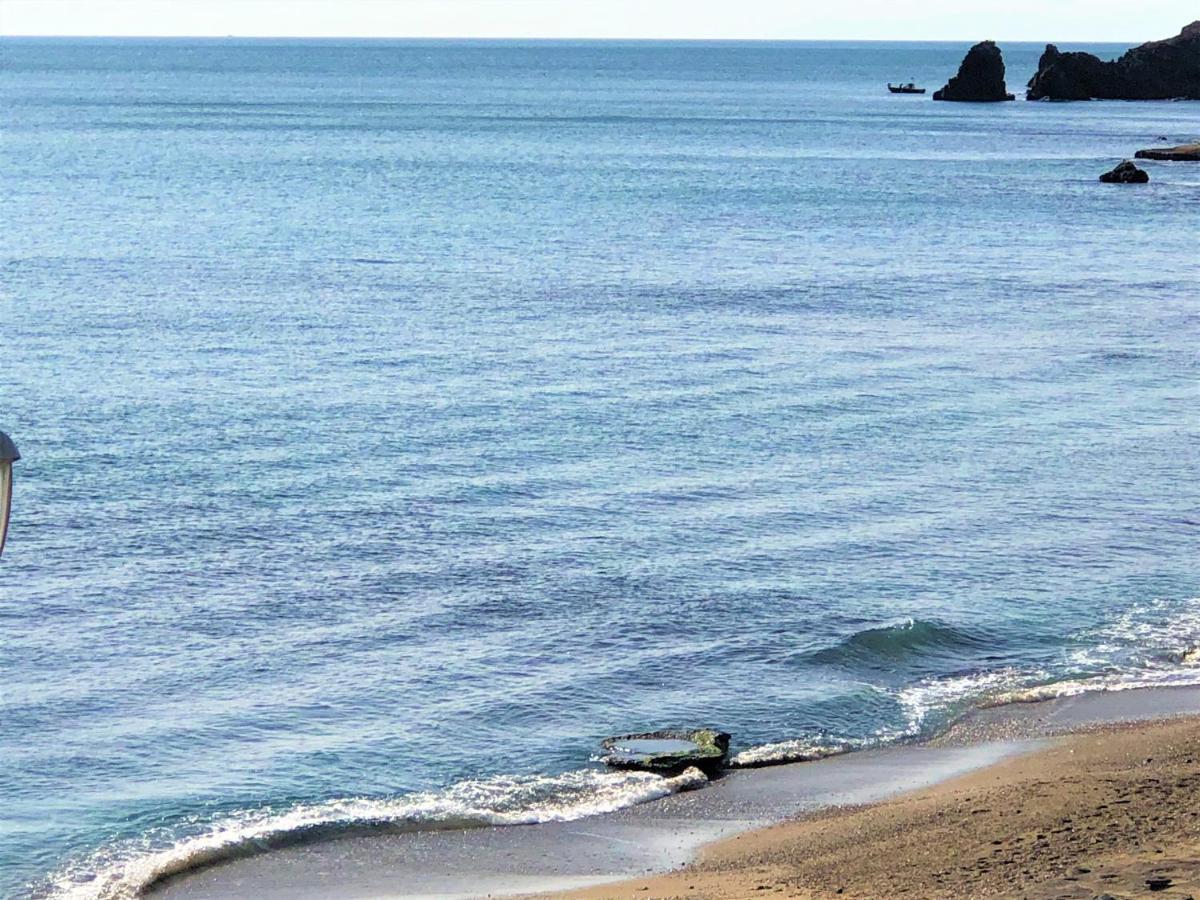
913 639
1154 644
128 871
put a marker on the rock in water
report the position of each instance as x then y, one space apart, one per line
668 752
1159 70
1182 153
1065 76
1125 173
980 78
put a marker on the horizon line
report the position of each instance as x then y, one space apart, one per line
557 39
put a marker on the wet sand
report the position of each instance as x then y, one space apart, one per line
832 837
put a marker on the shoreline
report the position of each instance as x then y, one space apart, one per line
600 854
1108 812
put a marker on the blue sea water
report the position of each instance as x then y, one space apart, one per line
385 404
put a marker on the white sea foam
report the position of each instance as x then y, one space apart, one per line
1115 682
127 871
786 752
1153 644
943 695
1159 632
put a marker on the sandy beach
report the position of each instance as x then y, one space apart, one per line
1111 812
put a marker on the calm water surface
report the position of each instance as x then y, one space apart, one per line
385 402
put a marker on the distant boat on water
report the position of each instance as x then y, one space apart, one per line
909 88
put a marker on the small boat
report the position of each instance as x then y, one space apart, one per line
909 88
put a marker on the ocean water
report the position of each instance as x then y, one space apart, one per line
401 418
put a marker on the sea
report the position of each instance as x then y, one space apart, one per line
400 418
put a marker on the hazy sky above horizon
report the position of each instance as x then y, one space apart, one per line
1034 20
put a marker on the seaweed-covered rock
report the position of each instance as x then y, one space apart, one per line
668 752
1125 173
980 78
1159 70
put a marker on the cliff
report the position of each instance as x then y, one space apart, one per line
1160 70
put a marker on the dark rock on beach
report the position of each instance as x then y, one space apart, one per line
1159 70
668 752
1182 153
980 78
1125 173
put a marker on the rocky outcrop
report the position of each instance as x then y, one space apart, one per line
980 78
1160 70
1125 173
1182 153
668 752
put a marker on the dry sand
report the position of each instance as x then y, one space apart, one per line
1114 811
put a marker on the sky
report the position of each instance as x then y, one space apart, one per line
960 20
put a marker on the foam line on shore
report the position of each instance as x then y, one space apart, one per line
129 872
742 801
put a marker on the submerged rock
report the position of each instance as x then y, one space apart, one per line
1125 173
1182 153
980 78
668 752
1159 70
